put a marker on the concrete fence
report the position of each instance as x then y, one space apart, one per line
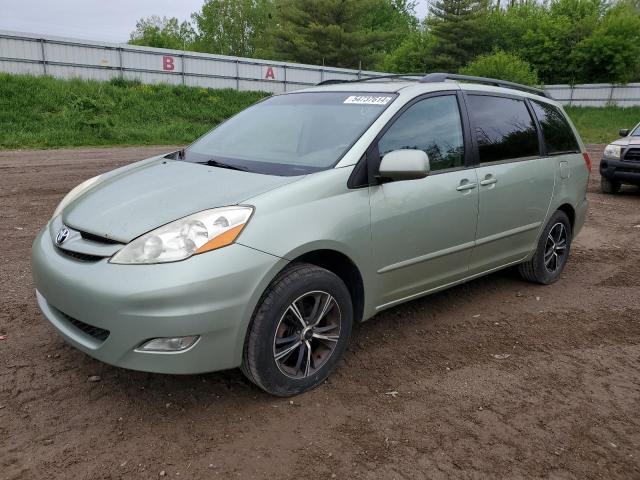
70 58
596 94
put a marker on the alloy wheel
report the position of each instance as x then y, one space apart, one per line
555 251
307 334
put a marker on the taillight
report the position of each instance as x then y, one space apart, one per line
587 161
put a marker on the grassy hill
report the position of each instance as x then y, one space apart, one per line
43 112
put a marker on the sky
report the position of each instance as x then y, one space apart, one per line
104 20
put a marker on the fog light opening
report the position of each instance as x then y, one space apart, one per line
168 344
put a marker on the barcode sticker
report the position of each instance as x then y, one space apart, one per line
367 100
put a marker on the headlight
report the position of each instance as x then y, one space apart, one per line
73 194
188 236
612 151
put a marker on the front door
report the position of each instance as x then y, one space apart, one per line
423 230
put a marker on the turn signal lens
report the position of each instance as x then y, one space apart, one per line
222 240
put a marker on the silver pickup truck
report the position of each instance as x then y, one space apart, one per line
621 161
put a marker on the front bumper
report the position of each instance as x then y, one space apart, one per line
620 170
212 295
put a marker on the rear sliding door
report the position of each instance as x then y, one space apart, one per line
515 181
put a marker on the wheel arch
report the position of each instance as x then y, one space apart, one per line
568 209
342 266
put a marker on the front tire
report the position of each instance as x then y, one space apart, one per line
299 331
552 251
609 186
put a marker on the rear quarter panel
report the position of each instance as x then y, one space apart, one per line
573 190
571 187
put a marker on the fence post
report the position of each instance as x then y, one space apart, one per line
571 87
237 75
321 74
121 62
285 78
44 57
610 94
183 61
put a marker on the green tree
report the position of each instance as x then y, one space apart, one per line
504 66
396 16
412 55
459 30
545 34
505 27
163 32
612 52
551 48
340 33
232 27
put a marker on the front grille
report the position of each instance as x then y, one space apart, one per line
81 257
97 238
633 155
95 332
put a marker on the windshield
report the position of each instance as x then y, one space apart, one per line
636 132
292 134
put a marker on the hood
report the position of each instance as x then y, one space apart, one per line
127 204
627 141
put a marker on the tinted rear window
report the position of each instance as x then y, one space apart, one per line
503 128
558 136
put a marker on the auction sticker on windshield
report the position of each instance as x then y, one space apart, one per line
368 100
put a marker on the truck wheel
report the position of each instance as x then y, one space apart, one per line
609 186
552 251
299 332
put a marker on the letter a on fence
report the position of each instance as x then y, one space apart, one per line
270 74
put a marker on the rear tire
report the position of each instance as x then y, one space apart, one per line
552 252
299 332
609 186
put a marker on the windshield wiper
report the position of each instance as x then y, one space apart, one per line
219 164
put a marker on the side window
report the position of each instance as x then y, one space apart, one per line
432 125
557 134
503 127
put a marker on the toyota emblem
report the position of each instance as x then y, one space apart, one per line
63 234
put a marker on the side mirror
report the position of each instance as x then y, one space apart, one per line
624 132
404 165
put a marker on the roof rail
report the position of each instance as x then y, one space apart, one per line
409 76
441 77
332 81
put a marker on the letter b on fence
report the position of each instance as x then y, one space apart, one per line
167 63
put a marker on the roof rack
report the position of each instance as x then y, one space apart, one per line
410 76
441 77
334 81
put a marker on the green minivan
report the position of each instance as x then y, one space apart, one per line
260 244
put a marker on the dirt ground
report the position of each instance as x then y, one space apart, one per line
564 404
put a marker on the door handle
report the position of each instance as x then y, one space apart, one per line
489 180
466 186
